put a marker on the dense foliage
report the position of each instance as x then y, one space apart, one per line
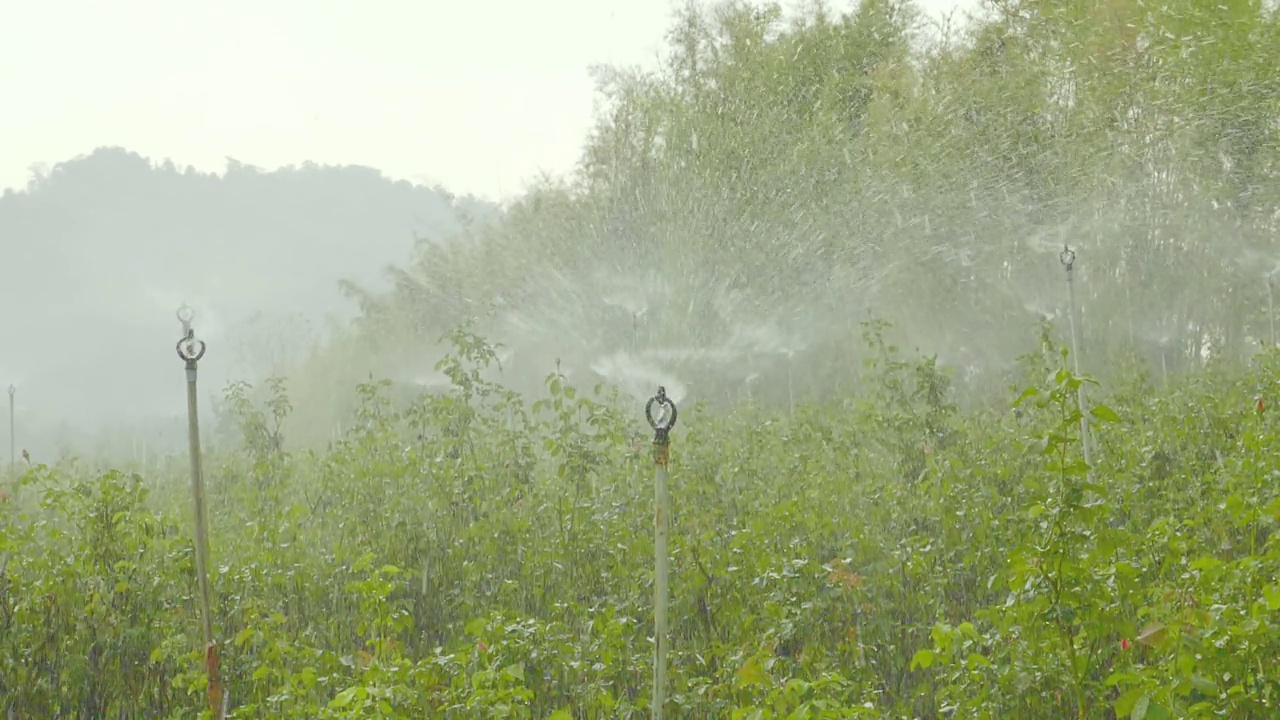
883 549
882 555
803 172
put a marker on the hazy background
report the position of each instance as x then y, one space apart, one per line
713 196
478 96
244 157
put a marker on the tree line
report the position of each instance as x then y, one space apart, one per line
809 171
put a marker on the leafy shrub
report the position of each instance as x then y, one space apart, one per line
885 555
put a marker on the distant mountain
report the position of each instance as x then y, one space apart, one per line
97 253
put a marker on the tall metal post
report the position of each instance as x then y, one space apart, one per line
661 452
1271 305
1164 363
13 444
1068 258
190 350
1128 299
791 391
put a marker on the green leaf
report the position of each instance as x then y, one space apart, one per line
1140 707
1116 678
515 671
1104 413
344 698
1204 685
752 673
1125 703
476 627
1206 562
1272 595
1077 468
1153 635
923 659
1026 394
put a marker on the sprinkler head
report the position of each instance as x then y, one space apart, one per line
1067 256
666 420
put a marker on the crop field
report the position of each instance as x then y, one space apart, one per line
834 230
882 555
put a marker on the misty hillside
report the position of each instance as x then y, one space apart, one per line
98 252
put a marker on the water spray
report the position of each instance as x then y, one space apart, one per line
190 350
1068 258
661 519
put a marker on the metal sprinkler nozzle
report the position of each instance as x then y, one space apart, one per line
189 348
663 423
1067 256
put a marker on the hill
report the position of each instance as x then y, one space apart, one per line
99 251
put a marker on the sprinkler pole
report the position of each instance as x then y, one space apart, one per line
1164 363
190 350
1068 258
1128 299
791 392
661 451
13 445
1271 305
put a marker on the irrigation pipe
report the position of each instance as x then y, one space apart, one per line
662 529
190 350
13 445
1068 258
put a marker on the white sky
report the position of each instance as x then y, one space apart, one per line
478 95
